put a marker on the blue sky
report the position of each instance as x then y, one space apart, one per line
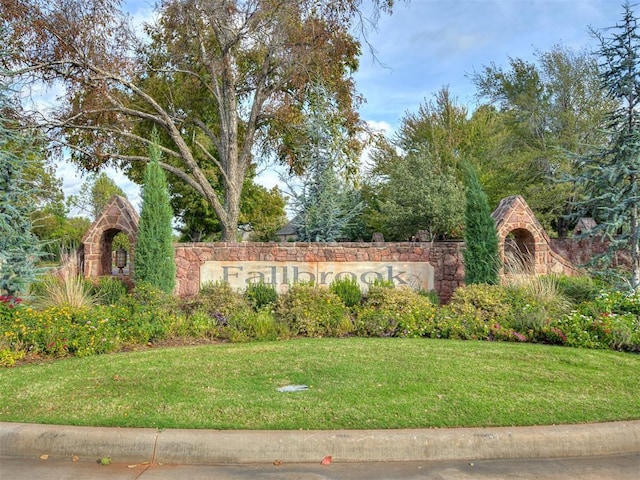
428 44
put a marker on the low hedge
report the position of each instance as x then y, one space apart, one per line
604 320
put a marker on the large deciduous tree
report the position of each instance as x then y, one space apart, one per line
544 108
611 175
413 183
246 61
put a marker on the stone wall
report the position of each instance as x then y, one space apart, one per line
579 251
445 258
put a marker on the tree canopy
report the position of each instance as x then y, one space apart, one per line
95 193
223 80
540 110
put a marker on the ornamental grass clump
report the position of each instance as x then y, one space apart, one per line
63 291
578 289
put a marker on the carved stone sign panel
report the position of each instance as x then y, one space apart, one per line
417 275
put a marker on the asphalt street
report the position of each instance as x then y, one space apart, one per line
618 467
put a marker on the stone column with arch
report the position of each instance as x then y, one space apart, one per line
520 234
117 216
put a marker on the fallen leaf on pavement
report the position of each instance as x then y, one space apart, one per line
44 457
326 460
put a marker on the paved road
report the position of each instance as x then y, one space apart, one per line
621 467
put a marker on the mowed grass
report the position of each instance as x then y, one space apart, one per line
353 383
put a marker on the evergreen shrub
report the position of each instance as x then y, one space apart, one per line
257 326
109 290
313 311
399 312
481 255
150 312
348 289
487 303
219 301
154 261
261 294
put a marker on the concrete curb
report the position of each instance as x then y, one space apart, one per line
202 447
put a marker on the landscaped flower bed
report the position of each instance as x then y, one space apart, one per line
555 311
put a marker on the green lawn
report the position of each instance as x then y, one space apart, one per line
354 383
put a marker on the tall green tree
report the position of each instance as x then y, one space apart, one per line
248 61
95 193
262 211
154 261
414 184
610 175
542 108
481 254
419 193
324 204
20 249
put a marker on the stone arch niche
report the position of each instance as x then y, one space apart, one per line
524 245
118 216
519 252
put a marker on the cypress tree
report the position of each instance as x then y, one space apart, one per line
154 261
481 254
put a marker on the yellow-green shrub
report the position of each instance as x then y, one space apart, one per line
395 312
484 303
313 311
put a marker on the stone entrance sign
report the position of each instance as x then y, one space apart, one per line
416 275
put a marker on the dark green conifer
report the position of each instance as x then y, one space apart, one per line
610 174
154 261
324 204
481 254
